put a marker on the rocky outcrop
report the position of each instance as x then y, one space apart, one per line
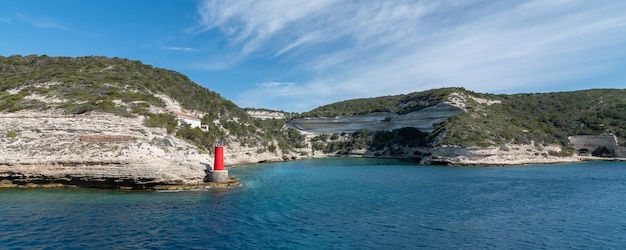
503 155
99 150
266 114
106 151
423 120
508 154
236 154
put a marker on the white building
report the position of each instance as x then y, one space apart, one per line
184 118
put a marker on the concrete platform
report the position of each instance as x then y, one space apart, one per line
218 175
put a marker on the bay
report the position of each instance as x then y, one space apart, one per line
337 203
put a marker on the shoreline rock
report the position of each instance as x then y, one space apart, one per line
231 183
49 148
99 149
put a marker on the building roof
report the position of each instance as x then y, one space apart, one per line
185 115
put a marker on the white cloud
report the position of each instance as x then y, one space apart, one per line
5 20
271 95
251 25
43 23
353 49
175 48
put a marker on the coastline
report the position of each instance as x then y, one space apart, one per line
53 150
233 182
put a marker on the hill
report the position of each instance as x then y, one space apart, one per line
105 121
112 120
541 117
447 122
128 88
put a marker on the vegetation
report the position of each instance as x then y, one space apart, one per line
388 142
400 104
11 134
93 83
127 88
16 102
404 137
541 118
167 121
345 144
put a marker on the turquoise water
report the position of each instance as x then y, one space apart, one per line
334 204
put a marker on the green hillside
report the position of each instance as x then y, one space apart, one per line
127 88
541 117
520 118
400 104
97 81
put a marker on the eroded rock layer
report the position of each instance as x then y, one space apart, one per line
99 150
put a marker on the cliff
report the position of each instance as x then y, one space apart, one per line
94 150
110 123
264 114
454 126
424 120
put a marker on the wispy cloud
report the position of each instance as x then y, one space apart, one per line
5 20
175 48
44 23
252 25
353 49
265 94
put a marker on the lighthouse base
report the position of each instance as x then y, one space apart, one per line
218 176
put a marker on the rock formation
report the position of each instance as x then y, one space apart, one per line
96 149
423 119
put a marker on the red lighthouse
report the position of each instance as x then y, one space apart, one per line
219 174
219 157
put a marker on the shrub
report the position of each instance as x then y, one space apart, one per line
271 148
166 121
11 134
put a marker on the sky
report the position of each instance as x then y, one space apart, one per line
295 55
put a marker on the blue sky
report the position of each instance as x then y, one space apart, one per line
295 55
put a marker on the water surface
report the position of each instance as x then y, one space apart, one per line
338 203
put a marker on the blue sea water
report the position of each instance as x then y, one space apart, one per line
337 203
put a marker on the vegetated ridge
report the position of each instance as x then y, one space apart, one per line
487 129
130 88
113 122
107 122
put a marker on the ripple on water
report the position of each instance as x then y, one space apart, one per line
338 203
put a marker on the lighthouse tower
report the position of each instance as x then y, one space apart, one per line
219 174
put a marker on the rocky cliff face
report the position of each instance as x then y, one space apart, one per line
424 120
508 154
266 114
94 150
388 145
104 150
80 121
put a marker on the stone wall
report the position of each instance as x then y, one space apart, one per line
586 144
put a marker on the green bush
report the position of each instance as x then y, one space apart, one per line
271 148
167 121
11 134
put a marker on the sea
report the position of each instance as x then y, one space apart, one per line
337 203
